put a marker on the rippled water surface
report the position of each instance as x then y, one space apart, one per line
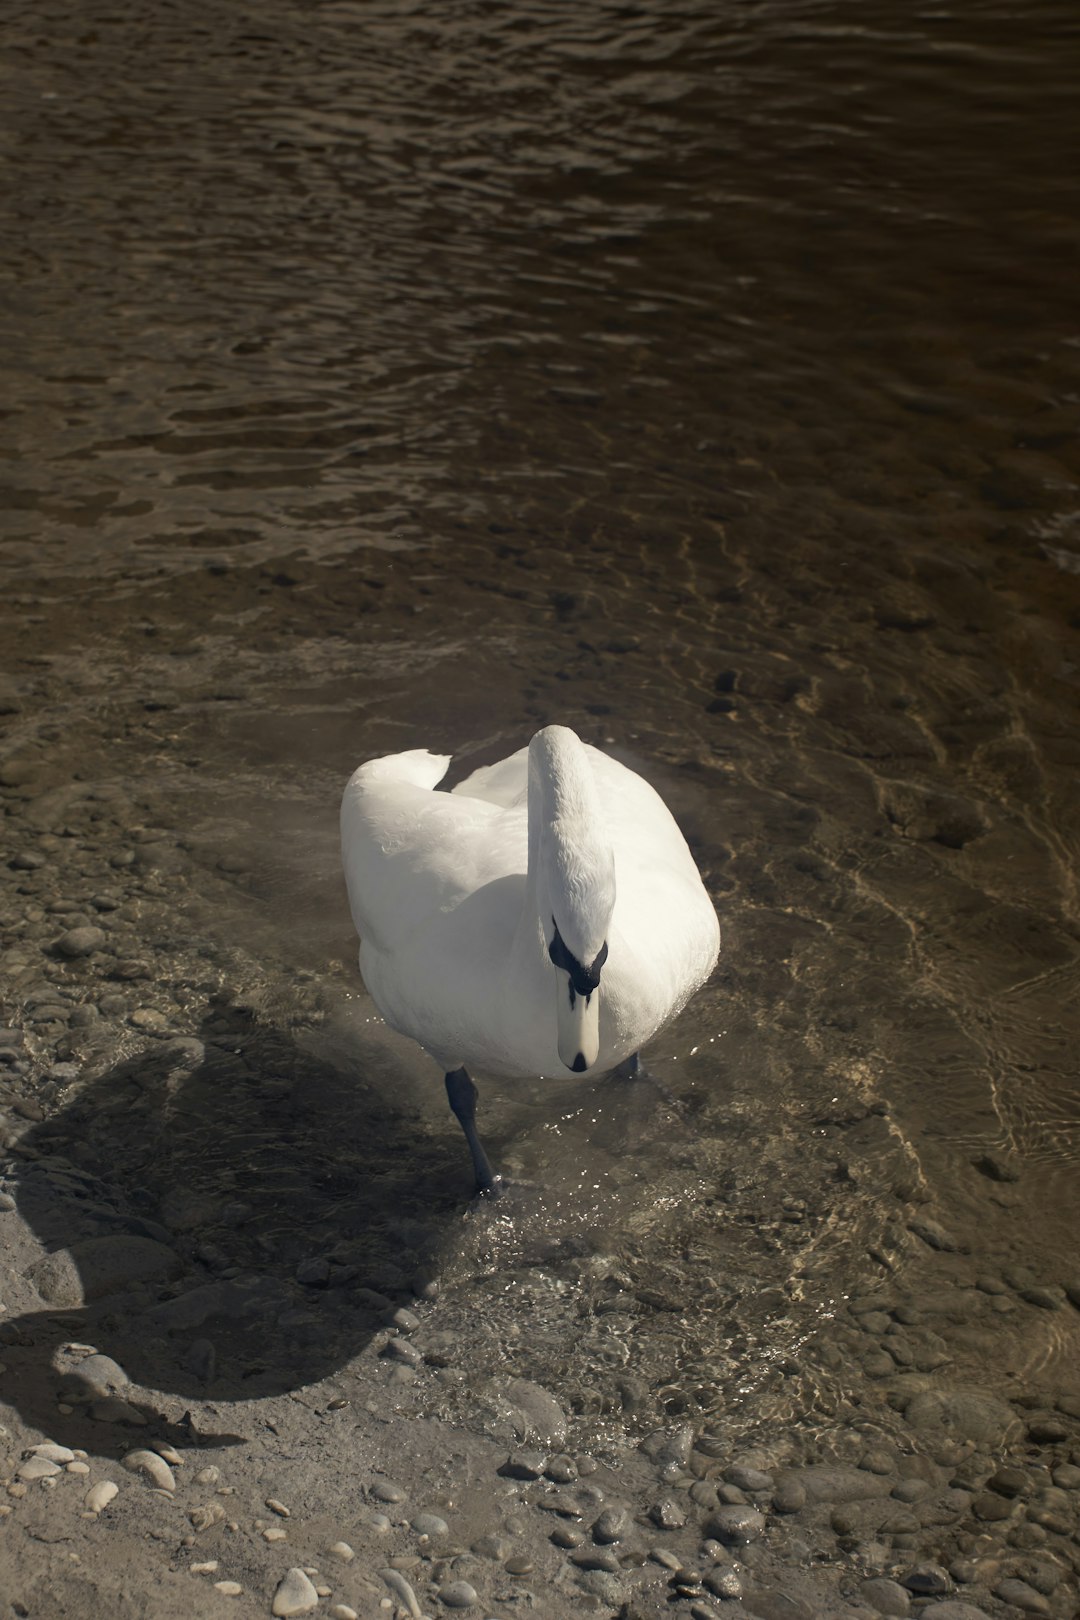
704 376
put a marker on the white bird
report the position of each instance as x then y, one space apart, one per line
544 916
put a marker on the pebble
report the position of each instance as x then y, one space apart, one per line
401 1588
526 1465
735 1525
886 1596
596 1558
926 1580
210 1567
458 1595
1021 1596
33 1468
342 1550
154 1467
561 1470
275 1533
610 1526
149 1020
565 1536
789 1497
54 1453
100 1495
747 1478
667 1515
80 942
277 1507
724 1583
341 1611
295 1595
430 1524
384 1491
228 1588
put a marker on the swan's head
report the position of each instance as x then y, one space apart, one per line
577 1002
575 885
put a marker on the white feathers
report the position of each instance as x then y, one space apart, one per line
454 897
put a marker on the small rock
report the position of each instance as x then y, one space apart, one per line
275 1533
54 1453
154 1467
295 1595
887 1597
667 1515
789 1497
735 1525
384 1491
747 1478
228 1588
1047 1431
610 1526
725 1584
933 1234
397 1583
94 1376
1022 1596
669 1449
458 1595
80 942
926 1580
520 1564
341 1611
100 1495
342 1550
204 1518
37 1468
277 1507
149 1020
525 1465
430 1524
991 1508
596 1558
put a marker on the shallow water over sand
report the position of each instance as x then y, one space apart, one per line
704 378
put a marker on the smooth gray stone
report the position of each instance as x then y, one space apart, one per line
735 1525
828 1482
886 1596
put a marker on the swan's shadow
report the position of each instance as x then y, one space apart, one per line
227 1218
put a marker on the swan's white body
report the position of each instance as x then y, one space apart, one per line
454 896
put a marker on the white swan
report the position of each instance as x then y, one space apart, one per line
546 915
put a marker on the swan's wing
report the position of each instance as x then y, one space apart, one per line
658 888
410 853
506 783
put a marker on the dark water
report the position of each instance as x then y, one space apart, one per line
704 376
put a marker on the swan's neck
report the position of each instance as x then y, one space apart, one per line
571 875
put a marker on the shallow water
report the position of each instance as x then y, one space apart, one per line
704 377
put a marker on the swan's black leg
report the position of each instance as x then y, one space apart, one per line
462 1094
632 1068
